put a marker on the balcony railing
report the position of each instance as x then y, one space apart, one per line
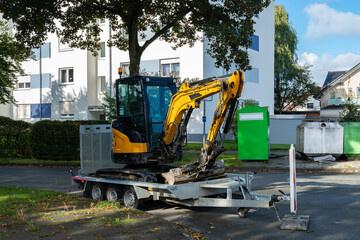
340 101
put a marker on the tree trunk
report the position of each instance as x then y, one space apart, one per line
135 50
134 62
277 96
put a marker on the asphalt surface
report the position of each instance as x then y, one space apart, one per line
331 200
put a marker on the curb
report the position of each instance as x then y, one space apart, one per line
298 170
240 169
38 165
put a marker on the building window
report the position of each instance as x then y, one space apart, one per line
310 105
333 94
125 69
64 46
252 75
23 85
169 67
45 51
45 110
102 83
101 20
66 109
66 75
102 50
358 92
23 111
124 34
45 79
255 42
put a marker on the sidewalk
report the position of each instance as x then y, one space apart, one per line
279 161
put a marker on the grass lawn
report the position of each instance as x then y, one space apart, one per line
231 160
228 144
34 214
20 161
232 145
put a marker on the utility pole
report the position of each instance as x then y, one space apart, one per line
110 62
40 83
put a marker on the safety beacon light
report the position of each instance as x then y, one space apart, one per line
120 71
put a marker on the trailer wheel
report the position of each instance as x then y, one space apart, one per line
130 199
243 212
113 193
97 191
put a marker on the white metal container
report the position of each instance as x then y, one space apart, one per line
318 138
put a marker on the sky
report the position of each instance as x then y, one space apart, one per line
328 34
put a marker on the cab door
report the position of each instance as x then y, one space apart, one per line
159 100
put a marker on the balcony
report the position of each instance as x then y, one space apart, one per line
341 101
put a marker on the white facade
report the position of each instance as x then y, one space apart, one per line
67 84
81 97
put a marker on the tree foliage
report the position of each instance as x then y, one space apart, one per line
293 83
351 112
109 104
12 53
226 25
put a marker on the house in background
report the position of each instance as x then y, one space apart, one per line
338 87
311 108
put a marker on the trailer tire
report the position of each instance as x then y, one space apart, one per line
113 193
130 199
243 212
97 191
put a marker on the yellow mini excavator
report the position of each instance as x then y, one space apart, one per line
150 128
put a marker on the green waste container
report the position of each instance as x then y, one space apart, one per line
351 139
253 133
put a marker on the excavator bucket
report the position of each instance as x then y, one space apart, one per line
189 173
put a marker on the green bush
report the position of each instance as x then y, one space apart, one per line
57 140
14 138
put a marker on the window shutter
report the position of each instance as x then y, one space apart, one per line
67 107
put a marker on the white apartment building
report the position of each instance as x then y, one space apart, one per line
74 81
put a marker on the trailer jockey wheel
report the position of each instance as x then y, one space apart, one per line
97 191
243 212
130 199
113 193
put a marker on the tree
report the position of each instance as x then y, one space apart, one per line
109 104
226 25
293 83
12 53
351 112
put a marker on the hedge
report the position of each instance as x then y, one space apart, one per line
14 138
57 140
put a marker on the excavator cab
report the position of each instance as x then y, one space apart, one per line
141 103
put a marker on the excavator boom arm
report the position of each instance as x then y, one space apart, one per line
188 98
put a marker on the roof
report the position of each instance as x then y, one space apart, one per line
331 76
332 107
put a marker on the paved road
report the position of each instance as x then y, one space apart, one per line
332 201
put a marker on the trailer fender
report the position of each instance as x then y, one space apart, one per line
141 192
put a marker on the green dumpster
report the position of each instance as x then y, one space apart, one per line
253 133
351 139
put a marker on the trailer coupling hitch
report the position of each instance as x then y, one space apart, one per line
71 172
282 197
